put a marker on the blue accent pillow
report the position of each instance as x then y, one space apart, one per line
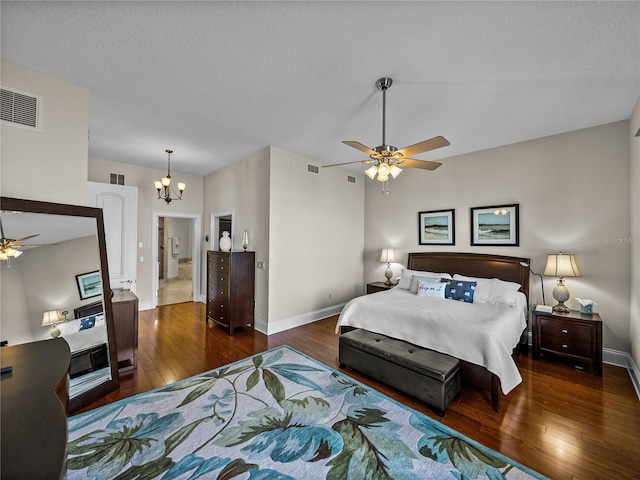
460 290
87 322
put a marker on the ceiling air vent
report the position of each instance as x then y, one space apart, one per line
351 179
20 109
313 169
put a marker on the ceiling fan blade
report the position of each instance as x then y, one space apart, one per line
26 238
431 144
359 146
348 163
414 163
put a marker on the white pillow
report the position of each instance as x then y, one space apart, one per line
431 290
493 290
415 278
405 278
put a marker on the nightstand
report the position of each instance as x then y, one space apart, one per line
378 287
575 336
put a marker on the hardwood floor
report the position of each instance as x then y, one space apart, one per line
562 422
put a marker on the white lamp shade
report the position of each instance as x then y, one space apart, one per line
395 171
158 184
388 255
166 181
182 186
561 265
51 318
372 171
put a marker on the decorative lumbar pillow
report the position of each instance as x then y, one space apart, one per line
87 322
460 290
405 278
430 289
493 290
415 279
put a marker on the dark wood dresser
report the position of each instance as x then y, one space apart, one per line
125 320
35 396
231 289
574 336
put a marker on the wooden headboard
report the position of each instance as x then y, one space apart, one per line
473 265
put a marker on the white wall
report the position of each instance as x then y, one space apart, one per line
244 189
50 165
634 331
316 236
148 205
573 192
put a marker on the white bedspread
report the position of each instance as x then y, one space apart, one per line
82 339
480 333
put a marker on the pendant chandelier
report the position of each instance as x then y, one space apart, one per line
165 190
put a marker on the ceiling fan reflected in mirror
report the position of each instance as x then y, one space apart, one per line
11 248
388 159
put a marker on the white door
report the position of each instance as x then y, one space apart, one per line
119 205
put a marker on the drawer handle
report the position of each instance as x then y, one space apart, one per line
564 345
565 331
221 268
221 278
222 305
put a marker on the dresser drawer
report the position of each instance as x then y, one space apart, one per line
218 278
563 329
566 346
219 259
220 315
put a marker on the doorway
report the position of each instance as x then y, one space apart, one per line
177 257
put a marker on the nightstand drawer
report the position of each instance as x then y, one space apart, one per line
566 346
562 329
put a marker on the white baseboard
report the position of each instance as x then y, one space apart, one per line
297 321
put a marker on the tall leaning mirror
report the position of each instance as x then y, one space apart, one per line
58 286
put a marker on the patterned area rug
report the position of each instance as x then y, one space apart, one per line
276 415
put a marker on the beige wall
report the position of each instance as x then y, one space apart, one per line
148 205
50 165
315 239
243 188
573 192
634 331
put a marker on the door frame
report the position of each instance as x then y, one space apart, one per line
215 228
195 248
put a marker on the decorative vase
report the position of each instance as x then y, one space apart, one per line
225 242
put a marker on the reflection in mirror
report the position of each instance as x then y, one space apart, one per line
57 286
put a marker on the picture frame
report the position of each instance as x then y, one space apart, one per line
496 225
89 284
437 227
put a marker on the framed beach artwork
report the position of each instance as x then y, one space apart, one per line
89 284
437 227
495 226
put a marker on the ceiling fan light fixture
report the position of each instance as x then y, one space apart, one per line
395 171
372 171
383 169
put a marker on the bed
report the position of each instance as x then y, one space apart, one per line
486 356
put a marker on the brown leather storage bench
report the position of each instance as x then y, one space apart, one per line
430 376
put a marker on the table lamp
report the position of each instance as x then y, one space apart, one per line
388 256
561 265
51 318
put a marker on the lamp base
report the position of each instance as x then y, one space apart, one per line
388 273
561 308
55 332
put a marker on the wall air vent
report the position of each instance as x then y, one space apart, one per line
351 179
116 179
20 109
313 169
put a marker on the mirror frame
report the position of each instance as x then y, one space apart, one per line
35 206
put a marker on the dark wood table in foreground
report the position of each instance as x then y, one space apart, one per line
34 402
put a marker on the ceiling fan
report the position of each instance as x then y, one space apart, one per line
11 248
387 158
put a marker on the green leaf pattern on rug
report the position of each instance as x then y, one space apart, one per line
278 416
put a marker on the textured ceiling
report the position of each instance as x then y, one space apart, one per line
217 81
